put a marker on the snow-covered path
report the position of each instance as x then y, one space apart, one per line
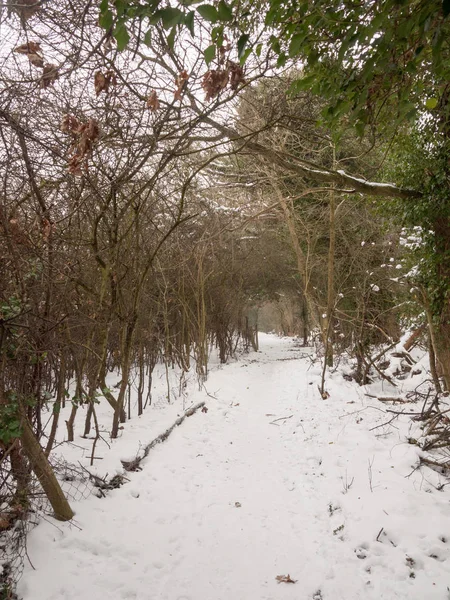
271 481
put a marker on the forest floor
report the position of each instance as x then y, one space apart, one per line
272 481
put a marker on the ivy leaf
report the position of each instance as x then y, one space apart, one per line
106 20
225 12
299 85
296 44
244 56
121 36
431 103
281 60
189 22
171 16
242 42
171 38
148 38
208 12
209 54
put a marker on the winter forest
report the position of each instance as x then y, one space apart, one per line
224 299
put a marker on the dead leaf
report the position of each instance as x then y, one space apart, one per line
84 136
33 52
237 504
285 579
152 101
214 81
179 82
46 228
49 75
28 48
99 82
102 82
236 75
205 409
69 124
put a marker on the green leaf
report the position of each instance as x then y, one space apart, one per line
258 50
210 54
121 36
244 56
148 38
171 38
242 42
360 126
431 103
296 44
171 16
208 12
189 22
275 44
299 85
225 12
281 60
106 20
121 7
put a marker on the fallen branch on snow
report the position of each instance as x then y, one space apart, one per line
134 465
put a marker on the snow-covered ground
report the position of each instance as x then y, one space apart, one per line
270 481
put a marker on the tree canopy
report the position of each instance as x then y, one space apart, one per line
366 58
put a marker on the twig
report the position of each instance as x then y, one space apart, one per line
369 470
383 424
392 399
282 419
379 533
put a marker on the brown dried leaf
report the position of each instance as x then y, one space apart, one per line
214 81
99 82
285 579
236 75
33 52
4 522
46 228
28 48
180 82
152 101
49 75
69 124
103 81
36 60
85 134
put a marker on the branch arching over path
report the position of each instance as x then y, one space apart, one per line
312 171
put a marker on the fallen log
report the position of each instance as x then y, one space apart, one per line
134 465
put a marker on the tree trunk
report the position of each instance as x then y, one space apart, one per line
70 423
57 405
44 472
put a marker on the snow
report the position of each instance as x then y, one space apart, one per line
271 480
